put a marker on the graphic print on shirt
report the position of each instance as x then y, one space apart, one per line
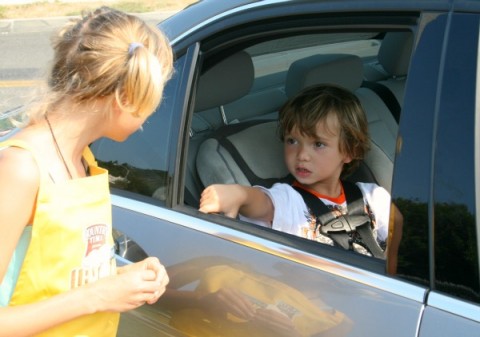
312 230
98 260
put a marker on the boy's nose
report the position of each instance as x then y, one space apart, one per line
303 153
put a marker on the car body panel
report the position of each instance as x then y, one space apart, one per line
444 323
192 244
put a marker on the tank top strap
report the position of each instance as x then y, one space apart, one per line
88 156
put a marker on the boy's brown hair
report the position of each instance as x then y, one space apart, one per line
313 104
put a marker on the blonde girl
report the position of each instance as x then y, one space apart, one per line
57 268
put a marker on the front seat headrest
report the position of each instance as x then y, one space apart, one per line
225 82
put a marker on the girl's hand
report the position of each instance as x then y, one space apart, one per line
153 264
134 285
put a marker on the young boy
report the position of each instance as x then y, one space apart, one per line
325 136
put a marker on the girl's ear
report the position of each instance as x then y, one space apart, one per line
115 108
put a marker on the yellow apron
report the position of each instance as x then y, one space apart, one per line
71 245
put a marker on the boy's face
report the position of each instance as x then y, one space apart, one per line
316 162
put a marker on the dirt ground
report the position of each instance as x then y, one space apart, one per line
70 8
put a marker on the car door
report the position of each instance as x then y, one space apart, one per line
215 262
450 263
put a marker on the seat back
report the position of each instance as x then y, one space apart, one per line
224 82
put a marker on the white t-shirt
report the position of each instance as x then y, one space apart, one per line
291 214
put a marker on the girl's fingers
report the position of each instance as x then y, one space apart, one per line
153 263
154 298
149 275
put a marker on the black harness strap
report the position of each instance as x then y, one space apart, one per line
355 227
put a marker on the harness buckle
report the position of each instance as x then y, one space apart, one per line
344 223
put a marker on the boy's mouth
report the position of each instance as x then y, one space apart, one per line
302 172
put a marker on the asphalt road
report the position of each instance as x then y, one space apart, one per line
26 52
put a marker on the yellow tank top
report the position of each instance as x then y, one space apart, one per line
71 244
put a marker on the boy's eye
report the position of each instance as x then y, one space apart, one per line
319 144
290 141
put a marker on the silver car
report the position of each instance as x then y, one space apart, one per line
414 65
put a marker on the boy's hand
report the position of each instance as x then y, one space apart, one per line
225 199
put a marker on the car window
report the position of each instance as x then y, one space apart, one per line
141 163
235 140
293 48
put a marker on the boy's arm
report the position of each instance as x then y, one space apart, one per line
249 201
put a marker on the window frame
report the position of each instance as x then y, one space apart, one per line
231 42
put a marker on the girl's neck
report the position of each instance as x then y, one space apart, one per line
78 129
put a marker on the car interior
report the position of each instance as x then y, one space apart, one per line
233 133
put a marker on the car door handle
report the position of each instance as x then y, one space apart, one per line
127 251
121 261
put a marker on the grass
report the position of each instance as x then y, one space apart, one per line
66 8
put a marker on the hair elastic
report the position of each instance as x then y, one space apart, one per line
133 46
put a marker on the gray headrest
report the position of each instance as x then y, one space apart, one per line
225 82
341 69
395 51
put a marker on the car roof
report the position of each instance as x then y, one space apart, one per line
206 12
197 13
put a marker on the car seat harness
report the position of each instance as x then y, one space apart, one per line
347 229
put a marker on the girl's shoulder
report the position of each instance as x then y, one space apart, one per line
18 162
